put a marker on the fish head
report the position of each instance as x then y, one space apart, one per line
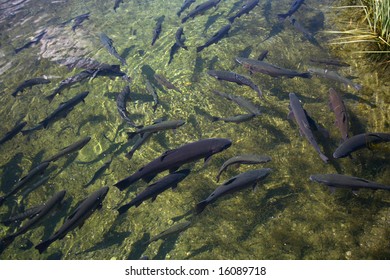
220 145
317 178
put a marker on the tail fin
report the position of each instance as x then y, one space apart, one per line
305 75
121 185
51 97
199 49
231 19
282 17
324 158
2 199
215 119
124 208
41 247
200 206
131 135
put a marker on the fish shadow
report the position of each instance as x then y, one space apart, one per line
167 246
139 247
127 51
11 172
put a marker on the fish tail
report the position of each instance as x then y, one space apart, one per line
199 49
121 185
50 97
282 16
129 155
215 119
124 208
200 206
324 158
231 19
2 199
305 75
130 135
41 247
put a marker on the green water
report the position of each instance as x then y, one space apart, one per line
286 217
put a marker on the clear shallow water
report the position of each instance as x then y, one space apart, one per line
286 217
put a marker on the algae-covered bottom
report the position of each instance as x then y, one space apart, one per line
286 217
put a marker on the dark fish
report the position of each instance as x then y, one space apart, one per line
186 5
235 78
236 183
306 33
110 71
81 62
242 159
245 9
263 55
345 181
171 231
332 75
179 39
240 101
216 37
164 125
301 118
61 112
157 30
294 7
39 214
70 149
121 106
17 218
117 3
274 71
337 106
153 190
172 159
34 186
164 82
33 42
235 119
200 9
330 61
77 218
108 44
360 141
99 172
10 134
141 140
26 179
78 21
29 84
153 93
175 47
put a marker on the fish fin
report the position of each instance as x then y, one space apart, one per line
81 224
2 199
200 206
50 97
217 177
148 178
199 49
324 158
124 208
355 191
165 154
215 119
332 190
290 115
207 160
173 169
231 180
154 198
121 185
131 135
254 186
174 186
41 247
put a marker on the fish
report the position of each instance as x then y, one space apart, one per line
13 132
172 159
175 47
108 44
294 7
263 55
186 4
141 140
306 33
34 186
121 106
330 61
240 101
301 118
360 141
153 93
81 62
245 9
235 78
110 71
235 119
29 84
242 159
17 218
236 183
337 105
200 9
272 70
215 38
179 39
164 82
153 190
99 172
33 42
37 216
116 4
164 125
70 149
78 21
177 228
345 181
39 169
157 30
83 211
62 111
333 75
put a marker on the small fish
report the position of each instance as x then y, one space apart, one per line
171 231
330 61
153 93
78 21
301 119
360 141
333 75
236 183
70 149
33 42
121 106
164 82
200 9
117 3
157 30
345 181
240 101
242 159
29 84
110 71
235 118
235 78
272 70
306 33
172 159
186 5
83 211
108 44
153 190
99 172
164 125
39 169
215 38
179 39
294 7
245 9
263 55
10 134
175 47
338 107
